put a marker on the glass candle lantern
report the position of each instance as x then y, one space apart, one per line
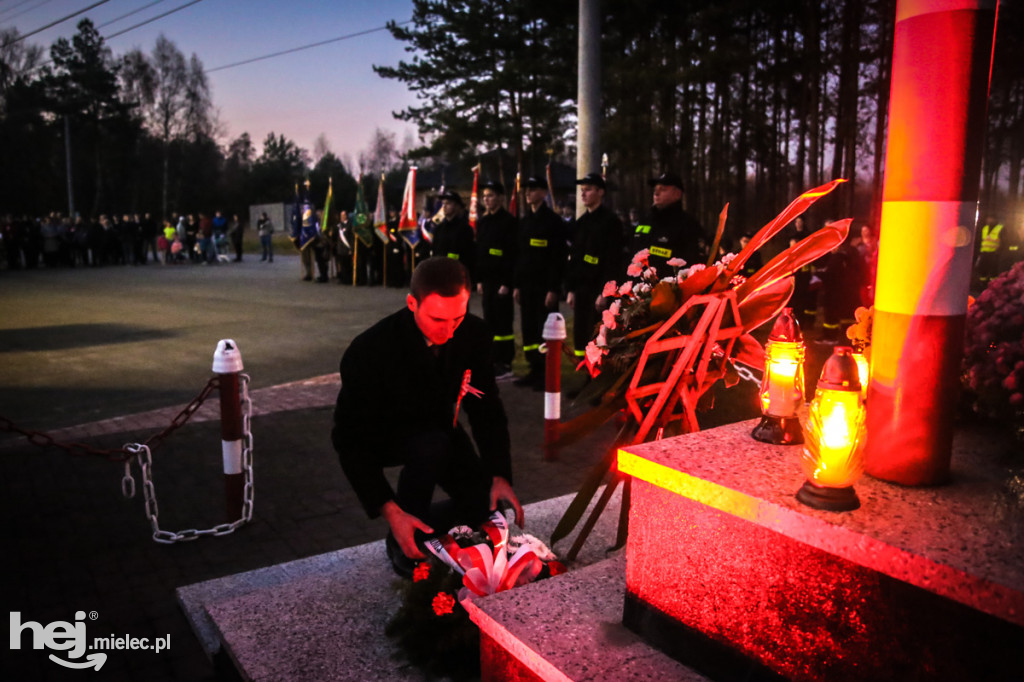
834 436
782 389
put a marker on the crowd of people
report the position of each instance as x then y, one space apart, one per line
57 241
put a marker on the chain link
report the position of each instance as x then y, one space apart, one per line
141 453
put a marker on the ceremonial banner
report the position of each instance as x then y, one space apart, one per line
327 206
407 223
380 216
296 218
513 201
473 199
360 217
308 230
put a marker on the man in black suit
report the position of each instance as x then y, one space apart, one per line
403 383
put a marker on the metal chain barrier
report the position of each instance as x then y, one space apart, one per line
141 451
121 454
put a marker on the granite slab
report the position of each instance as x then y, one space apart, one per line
963 540
570 628
323 617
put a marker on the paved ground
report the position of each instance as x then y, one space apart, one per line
108 356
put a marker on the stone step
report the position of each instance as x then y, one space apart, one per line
568 628
323 617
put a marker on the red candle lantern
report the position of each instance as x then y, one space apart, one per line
782 389
834 436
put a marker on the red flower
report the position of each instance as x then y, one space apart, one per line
421 572
556 568
443 603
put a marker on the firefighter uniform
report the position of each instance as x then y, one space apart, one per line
539 269
668 232
989 251
595 258
496 245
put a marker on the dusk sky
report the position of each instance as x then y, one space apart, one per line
330 89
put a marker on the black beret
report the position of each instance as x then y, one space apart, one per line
450 195
494 186
533 182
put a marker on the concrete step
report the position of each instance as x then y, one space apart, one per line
322 618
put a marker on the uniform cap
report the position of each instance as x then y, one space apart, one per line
593 179
494 186
533 182
450 195
667 179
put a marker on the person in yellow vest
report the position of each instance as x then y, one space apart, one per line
987 264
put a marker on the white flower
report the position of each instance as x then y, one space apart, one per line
602 337
538 547
670 280
625 289
643 288
615 307
634 270
650 273
676 262
697 267
728 258
609 289
594 354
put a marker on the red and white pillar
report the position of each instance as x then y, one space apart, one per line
227 364
942 57
553 335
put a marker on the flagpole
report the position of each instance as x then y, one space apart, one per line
355 257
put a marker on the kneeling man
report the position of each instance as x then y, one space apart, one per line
403 384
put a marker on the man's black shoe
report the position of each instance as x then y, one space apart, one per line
403 565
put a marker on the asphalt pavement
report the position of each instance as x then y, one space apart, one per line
108 356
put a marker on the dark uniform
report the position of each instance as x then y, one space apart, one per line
668 233
595 258
841 284
540 266
397 406
496 244
453 238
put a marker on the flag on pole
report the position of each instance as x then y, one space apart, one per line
380 216
327 206
296 218
308 229
551 187
473 199
407 221
513 201
361 218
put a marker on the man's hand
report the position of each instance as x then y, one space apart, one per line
571 299
501 490
515 295
479 287
503 290
551 300
404 527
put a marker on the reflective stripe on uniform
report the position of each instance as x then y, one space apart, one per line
587 258
539 242
990 238
496 252
660 252
532 346
510 337
643 229
453 256
580 353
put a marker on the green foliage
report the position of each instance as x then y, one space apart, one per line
490 73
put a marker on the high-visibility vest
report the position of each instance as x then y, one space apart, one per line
990 238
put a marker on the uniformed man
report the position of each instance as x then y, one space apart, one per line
453 237
595 258
496 243
668 231
540 266
344 239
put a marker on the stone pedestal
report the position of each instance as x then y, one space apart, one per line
729 574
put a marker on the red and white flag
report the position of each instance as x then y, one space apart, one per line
407 221
472 198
